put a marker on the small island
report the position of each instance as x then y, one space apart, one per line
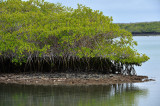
49 44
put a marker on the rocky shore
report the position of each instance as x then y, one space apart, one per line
69 78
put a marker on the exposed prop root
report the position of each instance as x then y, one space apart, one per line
69 64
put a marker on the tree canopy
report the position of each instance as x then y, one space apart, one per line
36 28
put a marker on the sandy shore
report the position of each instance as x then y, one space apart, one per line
69 79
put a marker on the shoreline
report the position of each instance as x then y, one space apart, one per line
69 79
145 33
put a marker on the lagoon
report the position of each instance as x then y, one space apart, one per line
137 94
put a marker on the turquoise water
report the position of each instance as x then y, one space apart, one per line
137 94
151 46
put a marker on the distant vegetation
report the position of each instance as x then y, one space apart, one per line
37 35
146 27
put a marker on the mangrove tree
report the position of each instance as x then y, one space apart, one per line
40 36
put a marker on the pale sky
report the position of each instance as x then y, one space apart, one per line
122 11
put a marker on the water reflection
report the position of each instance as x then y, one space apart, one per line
111 95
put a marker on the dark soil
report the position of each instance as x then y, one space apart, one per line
69 78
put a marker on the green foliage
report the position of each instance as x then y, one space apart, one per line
153 27
43 29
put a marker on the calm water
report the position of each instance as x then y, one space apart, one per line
138 94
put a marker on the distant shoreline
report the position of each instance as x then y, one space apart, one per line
148 28
145 33
69 79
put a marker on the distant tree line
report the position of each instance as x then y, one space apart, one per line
146 27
